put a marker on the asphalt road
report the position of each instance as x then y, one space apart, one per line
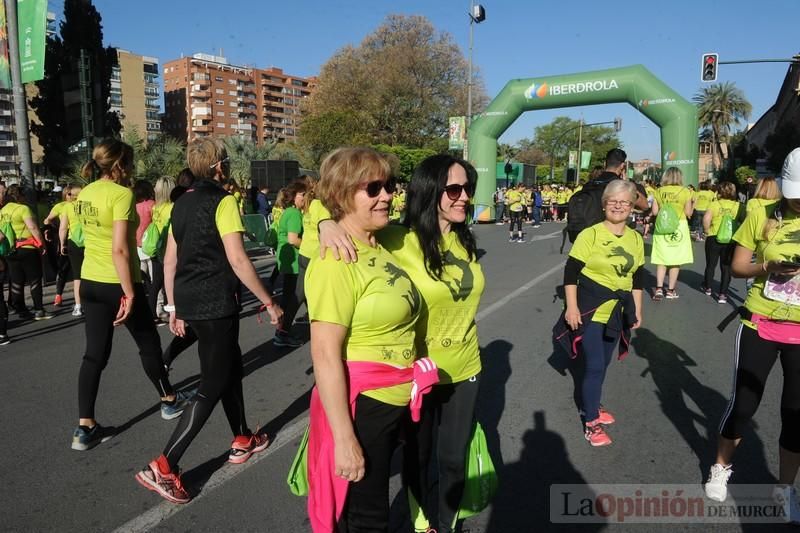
667 395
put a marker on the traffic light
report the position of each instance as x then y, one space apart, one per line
709 67
617 124
478 13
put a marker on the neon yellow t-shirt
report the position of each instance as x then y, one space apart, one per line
99 205
15 214
674 195
719 209
227 217
515 199
161 214
783 245
239 201
609 260
758 203
72 217
446 331
561 197
704 200
316 212
527 197
377 302
56 210
397 207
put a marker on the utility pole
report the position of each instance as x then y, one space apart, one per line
87 111
20 105
579 158
476 15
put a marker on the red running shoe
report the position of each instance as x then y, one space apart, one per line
168 486
244 446
605 417
596 434
57 301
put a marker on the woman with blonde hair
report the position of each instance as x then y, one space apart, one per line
70 234
767 193
721 249
672 250
161 215
111 288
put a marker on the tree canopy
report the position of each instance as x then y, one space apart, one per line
720 107
560 135
398 87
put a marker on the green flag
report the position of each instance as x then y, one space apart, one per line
5 72
458 132
32 25
586 159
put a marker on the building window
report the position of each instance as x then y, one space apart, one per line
219 102
233 115
220 113
218 78
220 124
233 104
232 93
219 91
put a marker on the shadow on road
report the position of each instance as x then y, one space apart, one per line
523 502
669 369
492 396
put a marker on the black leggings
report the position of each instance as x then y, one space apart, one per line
753 361
516 219
75 254
25 266
100 303
178 345
377 428
3 308
294 293
448 417
156 284
722 253
221 375
63 273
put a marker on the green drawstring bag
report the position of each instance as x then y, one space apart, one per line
76 235
9 242
298 472
480 483
727 227
667 220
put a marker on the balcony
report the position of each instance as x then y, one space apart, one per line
5 112
6 127
200 93
202 129
8 159
7 143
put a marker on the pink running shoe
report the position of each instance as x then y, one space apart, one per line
596 434
244 446
168 486
605 417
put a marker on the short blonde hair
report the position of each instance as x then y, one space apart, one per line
163 189
767 189
672 176
616 187
202 154
341 174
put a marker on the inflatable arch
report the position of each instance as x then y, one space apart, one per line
636 85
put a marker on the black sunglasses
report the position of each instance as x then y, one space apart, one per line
373 188
454 191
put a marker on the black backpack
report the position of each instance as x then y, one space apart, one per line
585 209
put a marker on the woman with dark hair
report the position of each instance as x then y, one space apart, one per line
25 264
144 195
111 288
290 237
437 249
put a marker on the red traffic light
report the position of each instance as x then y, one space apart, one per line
708 70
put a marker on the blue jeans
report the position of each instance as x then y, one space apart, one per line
596 350
537 216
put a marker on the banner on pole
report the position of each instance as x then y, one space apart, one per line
586 159
5 71
458 132
32 26
573 158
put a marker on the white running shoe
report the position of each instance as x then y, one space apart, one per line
717 484
77 311
786 496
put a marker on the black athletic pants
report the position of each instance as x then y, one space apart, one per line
178 345
3 308
75 254
221 375
722 253
754 358
100 302
516 220
156 284
63 273
294 293
25 267
448 417
377 428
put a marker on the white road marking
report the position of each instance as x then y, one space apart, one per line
154 516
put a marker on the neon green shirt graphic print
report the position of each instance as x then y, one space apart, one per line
446 332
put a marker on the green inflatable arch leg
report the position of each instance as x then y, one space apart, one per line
675 116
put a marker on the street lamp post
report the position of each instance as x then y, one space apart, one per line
476 15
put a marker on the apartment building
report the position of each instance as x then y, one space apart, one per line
205 95
135 93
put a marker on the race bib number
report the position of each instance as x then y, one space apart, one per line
783 289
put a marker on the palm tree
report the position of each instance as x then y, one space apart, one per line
719 107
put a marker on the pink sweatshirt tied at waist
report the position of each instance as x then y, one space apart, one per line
327 492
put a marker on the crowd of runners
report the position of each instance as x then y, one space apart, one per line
392 283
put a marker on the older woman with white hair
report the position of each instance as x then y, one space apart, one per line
603 282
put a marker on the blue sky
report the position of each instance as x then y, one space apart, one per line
519 39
